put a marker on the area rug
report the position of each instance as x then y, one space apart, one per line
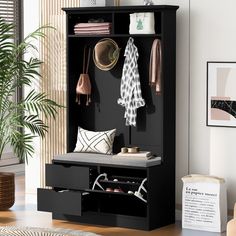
32 231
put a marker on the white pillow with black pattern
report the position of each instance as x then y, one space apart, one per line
97 142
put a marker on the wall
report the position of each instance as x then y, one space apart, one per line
32 169
182 92
52 52
212 38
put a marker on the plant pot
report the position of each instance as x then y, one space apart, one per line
7 190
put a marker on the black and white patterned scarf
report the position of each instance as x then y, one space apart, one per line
130 89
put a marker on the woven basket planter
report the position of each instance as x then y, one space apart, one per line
7 190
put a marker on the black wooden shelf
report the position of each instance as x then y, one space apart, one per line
88 10
118 182
113 35
97 218
155 129
120 178
93 191
90 213
108 192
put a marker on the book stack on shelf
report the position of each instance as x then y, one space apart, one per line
92 28
142 155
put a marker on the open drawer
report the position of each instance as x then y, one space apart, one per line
67 202
67 176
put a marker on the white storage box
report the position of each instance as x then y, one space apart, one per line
142 23
204 203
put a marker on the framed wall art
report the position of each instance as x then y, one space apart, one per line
221 94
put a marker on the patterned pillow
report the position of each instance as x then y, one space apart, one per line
98 142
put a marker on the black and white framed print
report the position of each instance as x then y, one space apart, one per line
221 94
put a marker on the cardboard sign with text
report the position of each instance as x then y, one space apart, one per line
204 203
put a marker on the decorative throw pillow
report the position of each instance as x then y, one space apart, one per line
98 142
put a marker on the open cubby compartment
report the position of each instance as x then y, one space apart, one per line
124 186
84 18
106 91
116 203
89 203
123 205
124 179
122 22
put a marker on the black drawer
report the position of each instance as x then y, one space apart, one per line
67 202
71 177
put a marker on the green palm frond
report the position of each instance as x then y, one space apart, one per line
22 144
5 31
17 72
39 103
35 125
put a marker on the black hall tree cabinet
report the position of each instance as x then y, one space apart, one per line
71 196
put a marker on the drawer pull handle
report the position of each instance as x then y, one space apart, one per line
62 191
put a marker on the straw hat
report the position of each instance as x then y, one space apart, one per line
106 54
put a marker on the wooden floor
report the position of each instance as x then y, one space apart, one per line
24 213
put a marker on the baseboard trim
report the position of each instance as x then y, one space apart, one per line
178 215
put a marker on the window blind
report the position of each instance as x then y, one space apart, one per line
7 10
10 12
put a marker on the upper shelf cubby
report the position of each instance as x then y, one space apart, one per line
119 17
85 18
122 22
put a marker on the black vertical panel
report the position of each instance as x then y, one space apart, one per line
68 126
161 210
169 104
75 65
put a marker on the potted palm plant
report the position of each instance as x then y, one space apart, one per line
20 120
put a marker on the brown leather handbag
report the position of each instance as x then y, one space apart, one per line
84 85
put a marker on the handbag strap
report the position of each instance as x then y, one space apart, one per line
88 59
84 60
